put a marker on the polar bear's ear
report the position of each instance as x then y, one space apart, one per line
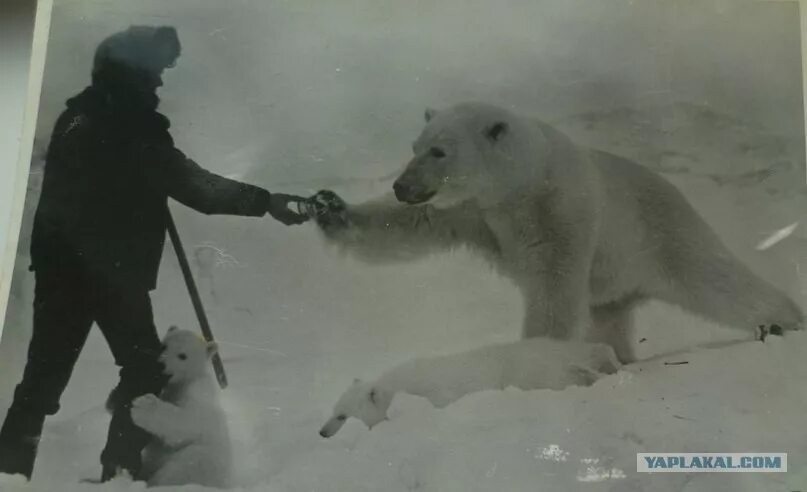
211 348
380 398
496 131
429 114
375 395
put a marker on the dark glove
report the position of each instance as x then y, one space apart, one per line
278 208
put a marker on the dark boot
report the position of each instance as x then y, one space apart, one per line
108 472
125 443
125 440
19 440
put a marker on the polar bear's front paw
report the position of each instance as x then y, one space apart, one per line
146 401
582 376
763 331
328 209
143 409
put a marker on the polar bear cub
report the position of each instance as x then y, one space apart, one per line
191 443
525 364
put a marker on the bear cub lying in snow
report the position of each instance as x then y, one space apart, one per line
191 443
526 364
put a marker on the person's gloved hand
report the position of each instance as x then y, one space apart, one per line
278 208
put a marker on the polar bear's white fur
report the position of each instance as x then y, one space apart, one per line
191 442
586 235
526 364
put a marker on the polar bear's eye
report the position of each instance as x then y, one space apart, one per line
341 417
437 152
182 356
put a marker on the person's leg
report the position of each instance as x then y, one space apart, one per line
126 320
62 321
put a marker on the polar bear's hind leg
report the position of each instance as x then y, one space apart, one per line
720 288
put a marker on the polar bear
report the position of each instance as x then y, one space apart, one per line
191 443
526 364
586 235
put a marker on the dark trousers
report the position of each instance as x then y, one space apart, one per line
65 307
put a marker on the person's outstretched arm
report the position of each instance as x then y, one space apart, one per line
190 184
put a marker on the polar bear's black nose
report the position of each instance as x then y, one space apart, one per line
411 194
402 192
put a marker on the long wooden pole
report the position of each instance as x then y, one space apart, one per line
218 366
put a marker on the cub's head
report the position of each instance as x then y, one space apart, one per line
363 401
470 151
185 355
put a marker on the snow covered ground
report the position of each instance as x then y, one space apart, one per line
336 105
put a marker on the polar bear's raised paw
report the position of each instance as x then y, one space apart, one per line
327 208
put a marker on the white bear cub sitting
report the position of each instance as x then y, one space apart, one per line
533 363
191 443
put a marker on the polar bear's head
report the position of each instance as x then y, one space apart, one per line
185 355
470 151
362 400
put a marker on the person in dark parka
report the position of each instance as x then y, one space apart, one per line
98 236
